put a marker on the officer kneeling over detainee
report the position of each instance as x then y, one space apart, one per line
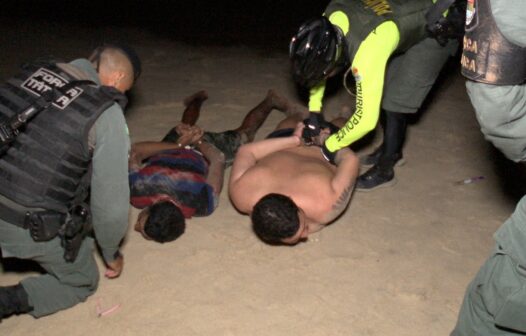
63 164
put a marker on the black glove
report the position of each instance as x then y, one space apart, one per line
450 27
328 155
312 126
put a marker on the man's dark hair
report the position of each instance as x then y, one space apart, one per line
275 217
165 222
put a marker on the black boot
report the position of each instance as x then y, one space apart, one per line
13 300
373 158
379 175
395 126
385 157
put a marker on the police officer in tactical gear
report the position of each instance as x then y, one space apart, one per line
64 172
494 62
393 51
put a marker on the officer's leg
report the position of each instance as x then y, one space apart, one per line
502 117
394 130
491 305
409 78
495 301
13 300
471 315
66 284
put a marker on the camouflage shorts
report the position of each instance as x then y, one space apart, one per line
227 142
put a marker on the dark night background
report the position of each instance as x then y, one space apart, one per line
262 24
448 225
268 23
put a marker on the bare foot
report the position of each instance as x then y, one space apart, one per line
193 107
282 104
199 96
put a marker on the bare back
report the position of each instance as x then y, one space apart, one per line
302 174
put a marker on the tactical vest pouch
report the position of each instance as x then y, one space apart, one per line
44 225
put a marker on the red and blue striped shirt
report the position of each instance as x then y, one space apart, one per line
178 175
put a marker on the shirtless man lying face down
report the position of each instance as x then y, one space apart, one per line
290 190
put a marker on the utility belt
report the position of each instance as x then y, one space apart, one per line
44 225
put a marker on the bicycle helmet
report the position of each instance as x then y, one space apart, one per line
315 51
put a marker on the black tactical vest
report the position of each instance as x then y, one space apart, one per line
45 164
365 15
488 57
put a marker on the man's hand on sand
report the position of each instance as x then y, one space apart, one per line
114 268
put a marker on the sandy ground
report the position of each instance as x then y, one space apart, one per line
396 263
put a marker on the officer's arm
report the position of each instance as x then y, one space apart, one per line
316 97
368 67
110 193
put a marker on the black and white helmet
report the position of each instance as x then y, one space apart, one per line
315 51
